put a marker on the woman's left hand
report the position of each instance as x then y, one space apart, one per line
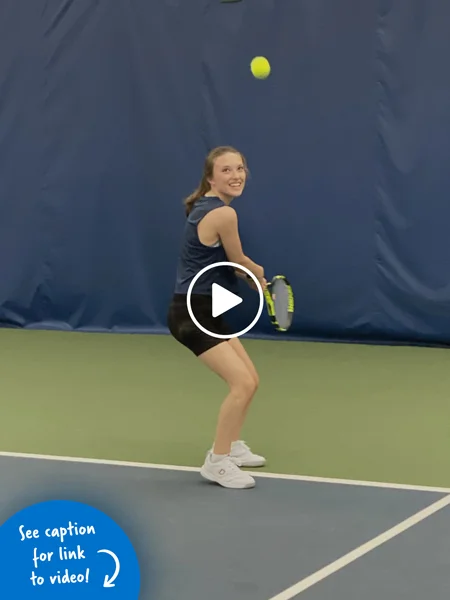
253 285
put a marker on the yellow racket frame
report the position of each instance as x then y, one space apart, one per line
270 303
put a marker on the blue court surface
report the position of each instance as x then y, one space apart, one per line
288 537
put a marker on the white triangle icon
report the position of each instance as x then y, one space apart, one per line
223 300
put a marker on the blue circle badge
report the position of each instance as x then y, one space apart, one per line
66 550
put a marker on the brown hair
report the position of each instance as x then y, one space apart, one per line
204 186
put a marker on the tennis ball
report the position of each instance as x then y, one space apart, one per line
260 67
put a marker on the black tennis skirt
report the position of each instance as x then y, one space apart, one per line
185 331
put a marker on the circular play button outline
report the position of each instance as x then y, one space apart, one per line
221 336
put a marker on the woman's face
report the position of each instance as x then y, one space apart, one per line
229 176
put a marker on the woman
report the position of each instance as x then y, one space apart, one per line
210 236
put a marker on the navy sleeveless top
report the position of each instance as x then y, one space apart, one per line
195 256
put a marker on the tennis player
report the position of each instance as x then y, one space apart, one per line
211 235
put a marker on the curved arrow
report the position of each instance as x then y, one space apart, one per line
109 581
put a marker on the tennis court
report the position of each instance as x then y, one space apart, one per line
108 110
354 498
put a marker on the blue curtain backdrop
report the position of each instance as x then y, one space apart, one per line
108 107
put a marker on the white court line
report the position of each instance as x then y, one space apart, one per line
262 474
345 560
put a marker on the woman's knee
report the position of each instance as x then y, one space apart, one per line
256 380
245 387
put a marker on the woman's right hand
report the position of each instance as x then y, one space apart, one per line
263 282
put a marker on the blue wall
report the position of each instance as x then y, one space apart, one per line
107 109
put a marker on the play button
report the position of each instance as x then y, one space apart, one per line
223 300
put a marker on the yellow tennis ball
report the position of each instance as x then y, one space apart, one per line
260 67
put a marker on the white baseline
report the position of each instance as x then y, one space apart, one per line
259 474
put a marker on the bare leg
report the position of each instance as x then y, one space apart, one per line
225 362
237 346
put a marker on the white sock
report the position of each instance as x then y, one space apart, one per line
215 458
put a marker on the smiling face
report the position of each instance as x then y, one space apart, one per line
229 175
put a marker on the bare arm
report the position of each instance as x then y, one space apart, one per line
250 281
226 224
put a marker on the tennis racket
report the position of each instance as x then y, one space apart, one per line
279 298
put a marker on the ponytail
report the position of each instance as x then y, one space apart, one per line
196 194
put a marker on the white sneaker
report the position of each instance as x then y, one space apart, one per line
226 473
242 456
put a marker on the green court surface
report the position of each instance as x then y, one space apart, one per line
373 413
